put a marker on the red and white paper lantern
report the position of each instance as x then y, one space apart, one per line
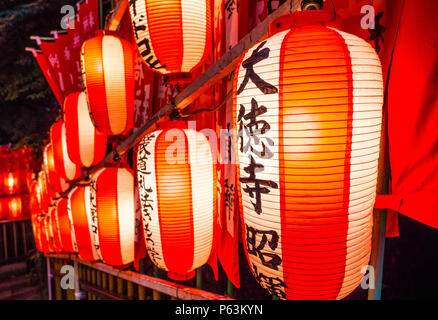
308 106
108 70
115 207
86 146
177 185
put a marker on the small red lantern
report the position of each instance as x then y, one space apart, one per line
15 207
64 167
54 181
84 219
86 146
109 77
116 215
53 225
66 230
11 182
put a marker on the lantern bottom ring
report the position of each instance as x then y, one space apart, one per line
181 276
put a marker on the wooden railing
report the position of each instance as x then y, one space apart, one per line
16 240
95 281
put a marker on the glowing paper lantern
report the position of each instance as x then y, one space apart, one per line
15 207
173 36
64 167
66 231
177 193
85 145
307 104
54 181
53 227
11 182
82 203
109 77
116 215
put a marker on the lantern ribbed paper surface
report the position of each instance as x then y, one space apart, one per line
86 146
116 215
173 36
109 78
66 230
176 181
64 167
308 104
84 218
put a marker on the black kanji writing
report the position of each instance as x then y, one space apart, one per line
274 285
256 56
269 238
256 187
253 129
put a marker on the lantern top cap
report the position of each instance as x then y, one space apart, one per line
106 33
300 19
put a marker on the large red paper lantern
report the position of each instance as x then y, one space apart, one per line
116 215
176 181
64 167
109 77
173 36
86 146
308 104
82 203
66 231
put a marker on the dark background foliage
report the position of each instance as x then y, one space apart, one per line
27 105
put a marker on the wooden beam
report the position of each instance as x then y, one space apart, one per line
166 287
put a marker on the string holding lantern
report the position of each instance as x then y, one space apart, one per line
307 102
180 45
109 77
86 146
64 167
115 207
177 195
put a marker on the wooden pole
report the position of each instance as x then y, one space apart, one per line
23 234
49 279
14 233
379 228
5 241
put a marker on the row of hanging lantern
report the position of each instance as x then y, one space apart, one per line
16 170
307 104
